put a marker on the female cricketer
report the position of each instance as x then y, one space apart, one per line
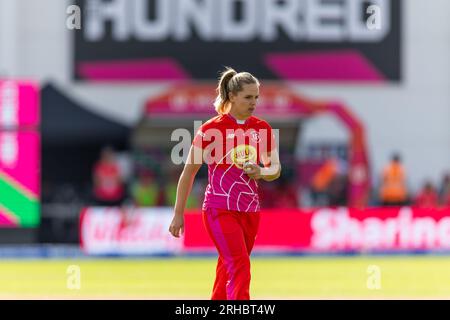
233 144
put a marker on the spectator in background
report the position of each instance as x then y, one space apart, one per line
427 197
393 190
109 187
444 191
337 191
321 182
145 191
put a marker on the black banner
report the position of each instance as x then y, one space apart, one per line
306 40
191 309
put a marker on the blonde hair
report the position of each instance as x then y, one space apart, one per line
231 81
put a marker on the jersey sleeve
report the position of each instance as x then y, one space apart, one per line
202 138
268 139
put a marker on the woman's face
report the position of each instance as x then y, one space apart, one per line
243 104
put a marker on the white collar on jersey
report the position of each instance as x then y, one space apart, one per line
237 120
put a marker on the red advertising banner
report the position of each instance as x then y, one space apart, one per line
324 230
275 101
329 230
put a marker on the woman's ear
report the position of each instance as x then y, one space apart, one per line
231 97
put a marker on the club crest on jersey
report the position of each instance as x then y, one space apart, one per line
242 154
255 136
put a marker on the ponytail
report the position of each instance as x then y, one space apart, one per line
221 102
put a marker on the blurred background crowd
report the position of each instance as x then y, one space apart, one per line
147 185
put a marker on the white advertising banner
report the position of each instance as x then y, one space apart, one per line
127 231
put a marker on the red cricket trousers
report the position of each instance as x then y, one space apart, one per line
233 234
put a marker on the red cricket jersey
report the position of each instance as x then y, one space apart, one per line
227 145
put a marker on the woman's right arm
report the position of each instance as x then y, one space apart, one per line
193 164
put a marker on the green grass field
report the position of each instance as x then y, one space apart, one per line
401 277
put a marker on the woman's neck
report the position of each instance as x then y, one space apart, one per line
237 116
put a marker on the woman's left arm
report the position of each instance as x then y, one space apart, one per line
272 165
